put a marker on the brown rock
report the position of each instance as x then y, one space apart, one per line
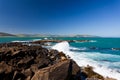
6 72
23 62
61 71
26 62
90 73
109 78
18 75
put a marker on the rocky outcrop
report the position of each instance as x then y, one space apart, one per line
22 62
61 71
56 41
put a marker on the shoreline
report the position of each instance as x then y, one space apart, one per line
26 60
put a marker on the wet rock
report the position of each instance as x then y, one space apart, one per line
88 71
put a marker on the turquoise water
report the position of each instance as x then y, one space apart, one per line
10 39
98 51
103 45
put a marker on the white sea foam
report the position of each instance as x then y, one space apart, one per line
20 41
45 38
36 39
63 46
77 49
87 58
93 41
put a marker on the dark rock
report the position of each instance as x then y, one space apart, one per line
60 71
88 71
6 72
43 42
18 76
24 62
28 73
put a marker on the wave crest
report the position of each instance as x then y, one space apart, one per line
87 58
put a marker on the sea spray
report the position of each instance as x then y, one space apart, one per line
63 46
84 59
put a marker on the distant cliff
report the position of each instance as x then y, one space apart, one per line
5 34
2 34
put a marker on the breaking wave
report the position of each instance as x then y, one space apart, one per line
104 64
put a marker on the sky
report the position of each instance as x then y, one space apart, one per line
93 17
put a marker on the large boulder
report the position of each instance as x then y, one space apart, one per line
65 70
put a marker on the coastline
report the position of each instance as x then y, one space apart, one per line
33 62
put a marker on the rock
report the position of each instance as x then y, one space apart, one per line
26 62
59 71
4 68
88 71
6 72
28 78
15 53
28 73
109 78
42 62
23 62
34 68
18 75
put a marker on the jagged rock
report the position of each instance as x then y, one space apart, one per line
59 71
24 62
90 73
18 76
109 78
4 68
6 72
43 42
28 73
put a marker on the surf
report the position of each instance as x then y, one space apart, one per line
89 58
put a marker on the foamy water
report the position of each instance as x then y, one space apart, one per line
36 39
87 58
20 41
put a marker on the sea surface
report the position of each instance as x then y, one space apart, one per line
101 53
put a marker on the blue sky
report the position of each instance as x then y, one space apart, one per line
94 17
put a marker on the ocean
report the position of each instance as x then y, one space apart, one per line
103 54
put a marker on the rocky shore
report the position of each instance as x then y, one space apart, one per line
56 41
24 62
